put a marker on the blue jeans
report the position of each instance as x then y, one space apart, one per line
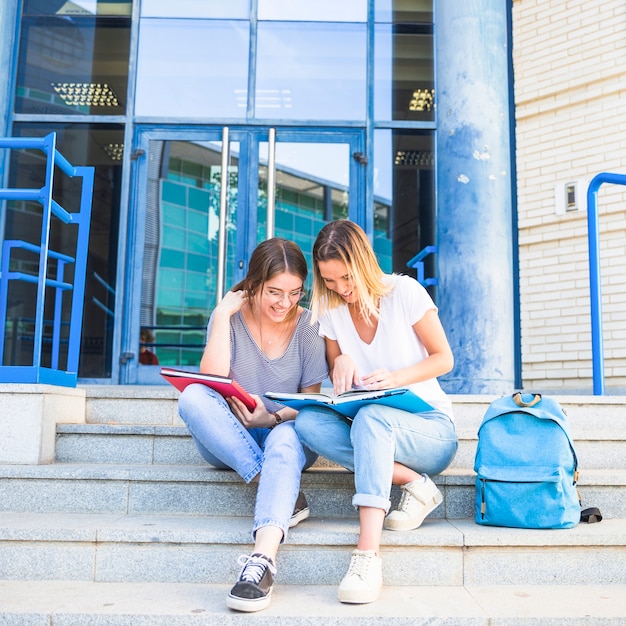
378 436
225 443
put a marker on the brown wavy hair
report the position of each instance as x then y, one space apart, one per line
271 257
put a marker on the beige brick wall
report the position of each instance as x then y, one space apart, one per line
570 95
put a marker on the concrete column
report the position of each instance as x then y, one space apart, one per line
475 184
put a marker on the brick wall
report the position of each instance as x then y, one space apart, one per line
570 95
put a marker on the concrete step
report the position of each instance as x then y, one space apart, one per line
185 604
598 426
204 549
130 526
597 448
157 405
204 490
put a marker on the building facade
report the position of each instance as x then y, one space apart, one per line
570 126
397 114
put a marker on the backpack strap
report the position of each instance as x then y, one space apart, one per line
517 398
591 515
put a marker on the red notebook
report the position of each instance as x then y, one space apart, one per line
227 387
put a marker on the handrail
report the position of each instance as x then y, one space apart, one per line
37 372
593 235
417 262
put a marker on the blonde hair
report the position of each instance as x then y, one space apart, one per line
345 241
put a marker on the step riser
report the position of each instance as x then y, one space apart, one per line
207 498
180 450
423 566
126 405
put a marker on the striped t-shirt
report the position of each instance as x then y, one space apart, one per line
302 364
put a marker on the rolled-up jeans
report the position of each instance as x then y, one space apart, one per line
225 443
378 436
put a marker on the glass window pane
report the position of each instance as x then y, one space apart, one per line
404 201
201 72
314 10
73 65
403 73
180 263
311 71
78 7
234 9
403 11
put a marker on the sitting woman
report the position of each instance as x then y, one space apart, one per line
260 336
381 331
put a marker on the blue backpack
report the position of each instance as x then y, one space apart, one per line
526 465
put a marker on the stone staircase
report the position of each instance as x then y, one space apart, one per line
129 526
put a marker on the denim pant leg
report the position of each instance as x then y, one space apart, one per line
425 442
221 438
326 432
284 460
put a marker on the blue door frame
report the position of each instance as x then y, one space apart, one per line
248 138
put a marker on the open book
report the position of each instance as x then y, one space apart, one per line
349 402
227 387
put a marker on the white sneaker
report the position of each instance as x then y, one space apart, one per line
364 579
419 498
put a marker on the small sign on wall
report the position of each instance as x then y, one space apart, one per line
570 196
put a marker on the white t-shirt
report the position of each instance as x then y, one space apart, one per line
395 344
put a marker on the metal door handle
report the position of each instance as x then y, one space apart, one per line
271 182
221 233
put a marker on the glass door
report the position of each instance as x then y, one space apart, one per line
203 201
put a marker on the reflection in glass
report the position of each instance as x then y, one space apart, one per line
181 244
314 10
403 73
231 9
82 144
399 11
312 71
78 7
404 196
312 188
202 71
73 65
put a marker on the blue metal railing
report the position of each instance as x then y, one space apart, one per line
37 372
593 234
417 262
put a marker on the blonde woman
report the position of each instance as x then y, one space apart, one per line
381 331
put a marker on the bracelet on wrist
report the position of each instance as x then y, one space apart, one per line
277 419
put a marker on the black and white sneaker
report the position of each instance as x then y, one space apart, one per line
300 511
253 589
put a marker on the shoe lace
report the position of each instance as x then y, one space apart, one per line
405 500
253 568
359 564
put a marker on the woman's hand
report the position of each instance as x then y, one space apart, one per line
344 374
231 302
379 379
259 418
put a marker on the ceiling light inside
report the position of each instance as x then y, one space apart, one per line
414 157
86 94
422 100
114 150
